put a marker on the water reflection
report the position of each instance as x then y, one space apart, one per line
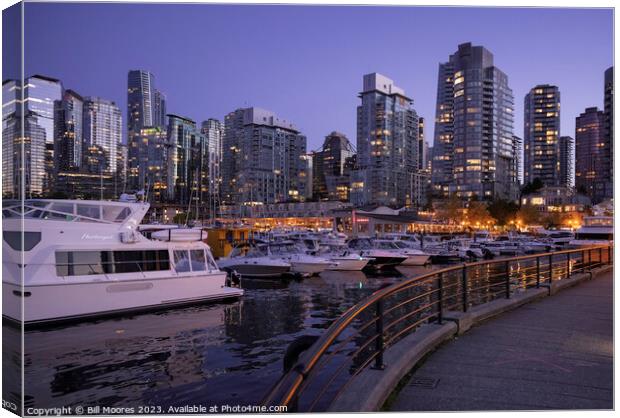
212 354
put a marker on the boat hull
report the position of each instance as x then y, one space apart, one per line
308 268
348 264
416 260
249 270
77 301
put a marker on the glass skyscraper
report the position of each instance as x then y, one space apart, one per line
332 167
541 135
103 130
592 173
213 131
387 145
473 151
567 161
69 133
34 146
146 108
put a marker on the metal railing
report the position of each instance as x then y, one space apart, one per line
360 336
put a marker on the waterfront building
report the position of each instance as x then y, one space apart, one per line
306 176
69 133
145 109
332 167
541 135
560 199
103 127
387 145
592 161
422 146
213 130
185 162
567 161
262 159
518 152
473 144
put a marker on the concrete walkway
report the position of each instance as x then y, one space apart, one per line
556 353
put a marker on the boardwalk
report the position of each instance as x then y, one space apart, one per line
556 353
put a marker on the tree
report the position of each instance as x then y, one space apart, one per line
552 220
528 215
477 214
532 187
451 209
503 210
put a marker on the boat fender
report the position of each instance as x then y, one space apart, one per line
294 350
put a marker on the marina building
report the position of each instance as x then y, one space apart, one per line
387 145
473 152
541 135
332 167
263 159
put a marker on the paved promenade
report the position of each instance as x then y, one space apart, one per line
556 353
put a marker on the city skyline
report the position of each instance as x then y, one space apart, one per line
325 81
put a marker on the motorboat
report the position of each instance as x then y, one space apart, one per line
301 263
382 256
81 259
415 257
596 230
344 259
254 260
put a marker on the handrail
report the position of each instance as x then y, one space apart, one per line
291 385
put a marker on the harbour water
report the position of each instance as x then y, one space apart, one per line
203 355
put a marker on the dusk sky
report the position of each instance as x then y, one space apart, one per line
306 62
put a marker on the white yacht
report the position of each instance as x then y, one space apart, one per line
254 260
596 230
382 256
415 257
343 258
87 258
301 263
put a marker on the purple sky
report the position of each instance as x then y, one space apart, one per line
306 62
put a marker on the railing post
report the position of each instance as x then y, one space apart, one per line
507 279
609 255
440 296
600 256
379 365
583 260
568 265
550 268
464 285
589 259
537 272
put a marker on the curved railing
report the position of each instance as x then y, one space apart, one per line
359 337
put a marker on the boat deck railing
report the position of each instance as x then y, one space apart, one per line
360 336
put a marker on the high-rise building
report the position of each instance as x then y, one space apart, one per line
146 108
69 133
35 145
185 162
473 144
592 172
262 159
567 162
541 135
151 163
518 161
332 167
609 123
213 130
387 145
103 128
